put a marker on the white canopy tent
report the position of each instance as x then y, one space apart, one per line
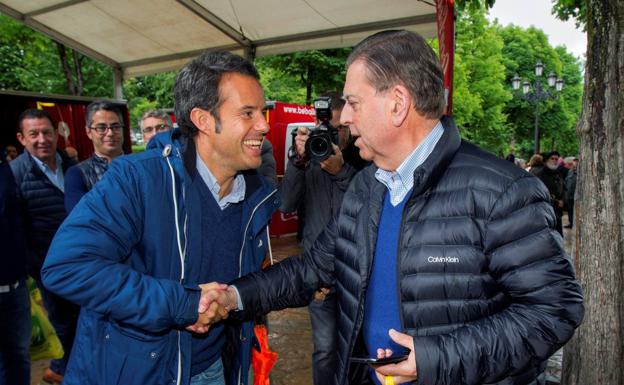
138 37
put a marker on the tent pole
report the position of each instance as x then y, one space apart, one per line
446 38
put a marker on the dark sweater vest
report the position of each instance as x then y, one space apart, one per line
220 245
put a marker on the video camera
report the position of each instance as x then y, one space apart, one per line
319 144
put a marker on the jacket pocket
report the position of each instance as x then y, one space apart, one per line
136 358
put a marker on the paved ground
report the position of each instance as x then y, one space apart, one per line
290 334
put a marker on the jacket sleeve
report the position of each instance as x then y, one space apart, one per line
344 176
290 283
292 188
75 188
87 261
528 261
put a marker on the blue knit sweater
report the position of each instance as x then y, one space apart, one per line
381 310
220 245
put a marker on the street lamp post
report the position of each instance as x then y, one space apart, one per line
538 94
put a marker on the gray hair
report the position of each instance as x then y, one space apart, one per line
158 114
100 105
197 85
404 57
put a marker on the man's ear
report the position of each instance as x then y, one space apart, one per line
88 132
401 103
20 137
203 120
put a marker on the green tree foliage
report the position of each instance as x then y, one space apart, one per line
571 9
558 115
309 73
480 89
148 92
29 61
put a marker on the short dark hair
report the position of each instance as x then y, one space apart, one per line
404 57
551 153
100 105
337 102
33 113
197 85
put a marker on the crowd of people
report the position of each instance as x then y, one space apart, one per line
419 248
559 175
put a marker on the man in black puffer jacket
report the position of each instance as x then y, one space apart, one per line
439 240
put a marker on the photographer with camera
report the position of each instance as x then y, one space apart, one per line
322 162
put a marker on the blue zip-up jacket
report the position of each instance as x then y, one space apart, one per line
129 255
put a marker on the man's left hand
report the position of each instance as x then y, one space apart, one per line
334 163
404 371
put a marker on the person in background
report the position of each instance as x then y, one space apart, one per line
440 251
15 323
105 128
536 162
319 187
551 177
153 122
72 153
511 158
10 152
137 250
268 168
570 183
40 177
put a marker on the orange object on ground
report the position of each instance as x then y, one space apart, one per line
262 361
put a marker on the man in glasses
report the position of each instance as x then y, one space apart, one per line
104 125
153 122
39 174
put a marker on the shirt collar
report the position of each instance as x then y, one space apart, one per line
238 189
44 167
401 181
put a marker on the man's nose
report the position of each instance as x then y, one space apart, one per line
346 115
262 125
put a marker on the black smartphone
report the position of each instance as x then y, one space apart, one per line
375 362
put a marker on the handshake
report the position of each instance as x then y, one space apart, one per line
215 303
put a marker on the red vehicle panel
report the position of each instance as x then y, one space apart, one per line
279 115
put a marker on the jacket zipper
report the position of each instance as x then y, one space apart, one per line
240 258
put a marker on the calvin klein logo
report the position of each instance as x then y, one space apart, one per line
432 259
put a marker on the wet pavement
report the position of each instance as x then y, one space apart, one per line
290 333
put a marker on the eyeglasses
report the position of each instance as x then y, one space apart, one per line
103 128
157 128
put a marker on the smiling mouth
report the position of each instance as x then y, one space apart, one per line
254 143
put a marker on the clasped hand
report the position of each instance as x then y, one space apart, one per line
215 303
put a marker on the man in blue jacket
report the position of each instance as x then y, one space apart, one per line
440 251
137 249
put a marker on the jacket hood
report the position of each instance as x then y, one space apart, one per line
162 139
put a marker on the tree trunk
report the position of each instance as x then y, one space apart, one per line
66 70
78 71
596 354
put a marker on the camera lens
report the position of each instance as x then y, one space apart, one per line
319 147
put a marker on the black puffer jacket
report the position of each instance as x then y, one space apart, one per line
43 207
485 285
